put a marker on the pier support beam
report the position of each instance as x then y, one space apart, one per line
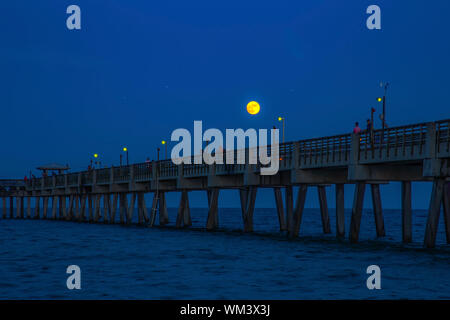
377 210
54 206
106 208
4 207
324 209
11 207
97 211
114 208
154 209
82 216
213 204
91 209
446 203
28 207
248 198
142 212
280 208
20 209
61 206
76 213
17 208
45 208
37 208
289 209
340 211
163 214
406 212
123 206
298 211
358 202
433 213
69 214
131 208
184 215
64 207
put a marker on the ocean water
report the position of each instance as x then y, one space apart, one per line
135 262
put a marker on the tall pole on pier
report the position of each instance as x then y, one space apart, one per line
125 149
282 119
165 145
383 115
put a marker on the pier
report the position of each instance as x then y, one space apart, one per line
405 154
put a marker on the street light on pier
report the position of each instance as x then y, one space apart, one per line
282 119
383 115
125 149
165 145
97 162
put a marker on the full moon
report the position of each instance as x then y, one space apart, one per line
253 107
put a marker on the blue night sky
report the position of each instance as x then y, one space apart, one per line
137 70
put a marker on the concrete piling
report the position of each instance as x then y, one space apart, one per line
184 215
433 213
357 209
37 208
324 209
28 207
406 212
97 210
163 214
298 211
377 210
90 206
11 207
82 216
114 208
54 206
154 209
280 208
107 208
4 207
289 209
131 208
213 219
249 208
76 213
340 211
45 208
446 204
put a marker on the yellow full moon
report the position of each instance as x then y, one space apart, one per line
253 107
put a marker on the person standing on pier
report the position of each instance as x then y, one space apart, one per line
357 129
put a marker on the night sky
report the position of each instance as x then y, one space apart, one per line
137 70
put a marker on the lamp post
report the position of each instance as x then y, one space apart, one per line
383 115
96 161
282 119
165 146
125 149
158 153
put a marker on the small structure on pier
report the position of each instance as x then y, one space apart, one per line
53 167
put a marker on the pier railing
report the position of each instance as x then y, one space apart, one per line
443 138
333 151
403 143
394 144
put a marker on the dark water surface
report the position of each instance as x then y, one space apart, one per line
132 262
